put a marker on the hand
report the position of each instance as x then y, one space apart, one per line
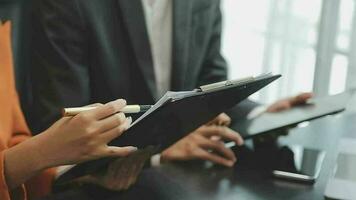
221 120
85 136
200 145
121 173
288 103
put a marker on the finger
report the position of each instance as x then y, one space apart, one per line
112 151
301 98
135 168
221 120
124 174
280 106
223 132
205 155
214 121
224 120
131 169
215 138
94 105
108 109
219 147
115 132
111 122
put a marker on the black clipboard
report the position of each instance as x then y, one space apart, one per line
176 115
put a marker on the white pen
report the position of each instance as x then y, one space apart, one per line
129 109
230 144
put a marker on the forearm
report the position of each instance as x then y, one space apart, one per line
22 162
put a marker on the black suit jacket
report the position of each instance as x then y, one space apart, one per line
87 51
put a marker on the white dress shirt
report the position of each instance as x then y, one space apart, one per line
159 22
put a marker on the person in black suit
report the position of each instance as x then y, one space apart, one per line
96 51
100 50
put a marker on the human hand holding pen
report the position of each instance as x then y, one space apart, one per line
71 140
85 136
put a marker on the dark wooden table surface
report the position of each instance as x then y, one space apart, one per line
249 180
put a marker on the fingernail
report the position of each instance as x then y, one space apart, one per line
128 123
121 117
129 119
119 101
123 101
241 143
133 148
230 163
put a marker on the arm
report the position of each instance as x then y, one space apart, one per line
59 60
206 143
199 144
41 183
20 134
69 141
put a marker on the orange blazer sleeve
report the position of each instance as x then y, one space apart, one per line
41 184
6 97
13 128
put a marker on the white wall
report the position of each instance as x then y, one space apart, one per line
283 36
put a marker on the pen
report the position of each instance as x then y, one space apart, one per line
230 144
129 109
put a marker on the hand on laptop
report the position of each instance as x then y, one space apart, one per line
288 103
206 143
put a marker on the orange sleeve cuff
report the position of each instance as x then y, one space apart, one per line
4 190
15 140
40 185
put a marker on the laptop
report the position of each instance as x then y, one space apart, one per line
342 184
270 122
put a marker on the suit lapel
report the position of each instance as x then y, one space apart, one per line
182 14
134 19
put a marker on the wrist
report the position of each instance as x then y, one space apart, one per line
43 154
21 162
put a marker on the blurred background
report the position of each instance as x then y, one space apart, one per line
311 42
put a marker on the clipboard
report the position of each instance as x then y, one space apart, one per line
174 116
